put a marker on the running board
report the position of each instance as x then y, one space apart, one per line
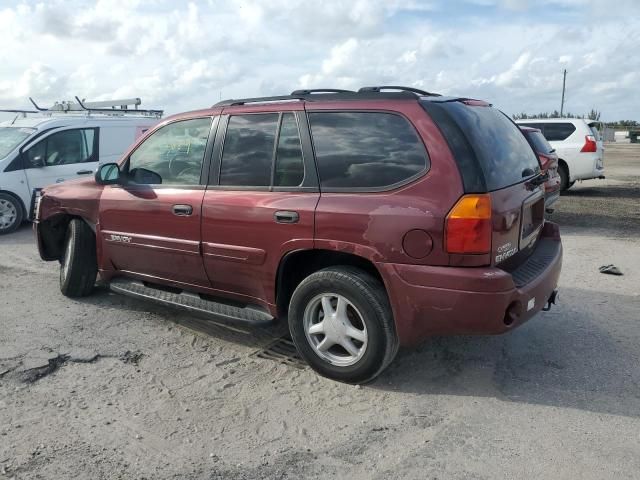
192 302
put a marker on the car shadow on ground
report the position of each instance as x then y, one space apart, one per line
572 356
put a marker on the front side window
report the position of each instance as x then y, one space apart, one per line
173 154
365 149
247 153
64 148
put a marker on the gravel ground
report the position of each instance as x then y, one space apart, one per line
109 387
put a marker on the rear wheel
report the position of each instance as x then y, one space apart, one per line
11 214
342 325
78 265
565 183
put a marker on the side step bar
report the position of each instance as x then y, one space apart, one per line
247 315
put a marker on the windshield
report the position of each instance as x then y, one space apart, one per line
540 143
11 137
505 156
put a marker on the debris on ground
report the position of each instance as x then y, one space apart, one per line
610 270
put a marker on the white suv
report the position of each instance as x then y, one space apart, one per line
578 145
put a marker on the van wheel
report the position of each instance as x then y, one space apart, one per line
565 184
11 214
341 322
78 265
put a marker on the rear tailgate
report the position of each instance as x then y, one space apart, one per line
494 157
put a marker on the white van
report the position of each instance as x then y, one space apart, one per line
578 145
66 141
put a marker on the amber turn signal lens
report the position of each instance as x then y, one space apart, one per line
468 226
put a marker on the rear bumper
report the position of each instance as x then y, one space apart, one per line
587 166
429 300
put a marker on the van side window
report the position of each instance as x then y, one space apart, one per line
64 148
174 152
556 132
289 168
365 149
247 153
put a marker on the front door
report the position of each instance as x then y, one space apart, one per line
150 224
61 155
261 200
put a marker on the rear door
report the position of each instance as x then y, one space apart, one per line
261 199
150 224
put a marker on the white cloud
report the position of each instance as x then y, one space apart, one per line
185 55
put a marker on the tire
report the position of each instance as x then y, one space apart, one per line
78 265
565 183
355 300
11 213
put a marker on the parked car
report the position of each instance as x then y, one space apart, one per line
548 163
38 148
578 145
367 219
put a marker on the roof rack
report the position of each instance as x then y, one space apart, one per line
400 88
111 107
335 94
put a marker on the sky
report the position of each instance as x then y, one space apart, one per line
186 55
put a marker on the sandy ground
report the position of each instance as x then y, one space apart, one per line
109 387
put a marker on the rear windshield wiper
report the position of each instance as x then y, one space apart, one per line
539 179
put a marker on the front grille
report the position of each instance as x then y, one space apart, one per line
540 259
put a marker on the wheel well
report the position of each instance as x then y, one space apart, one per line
52 234
22 205
296 266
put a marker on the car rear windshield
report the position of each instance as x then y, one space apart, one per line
491 151
539 143
11 137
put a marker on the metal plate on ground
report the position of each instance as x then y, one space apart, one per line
282 350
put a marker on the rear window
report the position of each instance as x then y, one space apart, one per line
556 132
539 143
502 152
365 150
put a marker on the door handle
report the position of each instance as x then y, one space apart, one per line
182 210
84 172
286 216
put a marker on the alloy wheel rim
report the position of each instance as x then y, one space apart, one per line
8 214
335 329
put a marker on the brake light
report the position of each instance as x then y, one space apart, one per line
590 144
468 225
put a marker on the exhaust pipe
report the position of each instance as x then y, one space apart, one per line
551 301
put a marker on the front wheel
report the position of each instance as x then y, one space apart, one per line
78 265
11 215
341 322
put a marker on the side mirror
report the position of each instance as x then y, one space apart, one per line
108 174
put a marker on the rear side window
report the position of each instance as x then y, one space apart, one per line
248 150
289 168
365 150
498 146
556 132
539 143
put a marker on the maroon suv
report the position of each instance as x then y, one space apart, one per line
367 219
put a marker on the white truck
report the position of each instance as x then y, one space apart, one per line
68 140
578 145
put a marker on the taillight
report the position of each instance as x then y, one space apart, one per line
590 144
468 225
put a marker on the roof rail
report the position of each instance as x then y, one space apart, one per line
397 87
17 111
321 90
334 94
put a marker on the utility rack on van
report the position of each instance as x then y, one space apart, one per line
107 107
